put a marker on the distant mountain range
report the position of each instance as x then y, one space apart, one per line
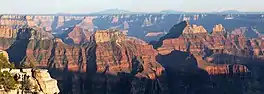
230 12
120 11
171 12
113 11
235 12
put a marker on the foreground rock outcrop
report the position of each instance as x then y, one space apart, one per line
33 81
26 80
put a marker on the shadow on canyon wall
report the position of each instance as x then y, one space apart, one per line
181 76
17 51
174 32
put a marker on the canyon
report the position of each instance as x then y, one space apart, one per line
187 58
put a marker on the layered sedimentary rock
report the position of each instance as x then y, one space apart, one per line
219 60
226 69
125 59
80 35
218 29
118 53
7 32
154 34
108 36
196 41
12 20
55 53
7 36
46 83
194 29
108 53
111 62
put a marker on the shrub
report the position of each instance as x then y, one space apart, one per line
7 81
4 63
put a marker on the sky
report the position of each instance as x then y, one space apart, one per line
88 6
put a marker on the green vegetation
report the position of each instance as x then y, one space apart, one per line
4 63
26 85
7 81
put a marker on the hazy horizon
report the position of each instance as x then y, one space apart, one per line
90 6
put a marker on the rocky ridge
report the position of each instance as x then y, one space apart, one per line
202 45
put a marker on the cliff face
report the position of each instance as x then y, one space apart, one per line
125 59
192 52
7 36
118 55
55 54
80 35
12 20
226 69
7 32
219 28
107 53
194 29
213 47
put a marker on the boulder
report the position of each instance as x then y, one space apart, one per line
47 84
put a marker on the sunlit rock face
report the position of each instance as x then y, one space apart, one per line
154 34
116 55
107 52
194 29
124 58
226 69
107 36
12 20
7 36
197 41
219 28
7 32
80 35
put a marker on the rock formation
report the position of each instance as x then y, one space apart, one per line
125 58
47 84
154 34
107 36
7 32
196 41
194 29
37 81
79 35
218 29
108 52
